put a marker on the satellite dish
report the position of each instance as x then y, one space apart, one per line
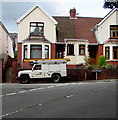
77 13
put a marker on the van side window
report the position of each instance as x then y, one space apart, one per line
37 67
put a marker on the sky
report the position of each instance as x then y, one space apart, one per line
11 10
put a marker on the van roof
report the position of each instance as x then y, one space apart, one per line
47 62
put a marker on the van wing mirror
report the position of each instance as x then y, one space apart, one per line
33 68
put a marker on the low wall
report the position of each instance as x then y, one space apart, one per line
75 74
81 74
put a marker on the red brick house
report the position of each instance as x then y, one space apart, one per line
41 36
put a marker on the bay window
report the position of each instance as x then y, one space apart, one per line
46 52
70 49
107 52
25 52
115 52
36 51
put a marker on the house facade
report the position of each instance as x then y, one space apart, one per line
6 51
6 48
41 36
107 35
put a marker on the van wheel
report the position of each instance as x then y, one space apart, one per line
24 79
56 78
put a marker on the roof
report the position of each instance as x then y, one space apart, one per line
80 28
33 8
115 40
35 38
2 25
108 15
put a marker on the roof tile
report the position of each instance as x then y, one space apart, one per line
80 28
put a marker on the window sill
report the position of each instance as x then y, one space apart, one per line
82 55
113 38
70 55
112 60
36 36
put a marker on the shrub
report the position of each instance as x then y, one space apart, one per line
15 54
102 61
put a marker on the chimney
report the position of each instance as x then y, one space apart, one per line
73 13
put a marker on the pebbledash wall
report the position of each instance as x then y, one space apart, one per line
36 14
104 37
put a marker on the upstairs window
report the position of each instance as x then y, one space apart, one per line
115 52
70 49
37 29
114 31
107 52
81 49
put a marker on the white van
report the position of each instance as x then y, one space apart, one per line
54 69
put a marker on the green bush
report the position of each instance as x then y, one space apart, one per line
15 54
102 61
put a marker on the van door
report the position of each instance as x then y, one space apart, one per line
37 71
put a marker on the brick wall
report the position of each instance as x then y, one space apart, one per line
74 74
71 66
14 70
53 50
113 62
99 52
81 75
19 53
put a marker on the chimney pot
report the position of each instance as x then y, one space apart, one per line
73 13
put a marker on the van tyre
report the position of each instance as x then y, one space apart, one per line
24 79
56 78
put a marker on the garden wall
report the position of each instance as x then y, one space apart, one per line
82 74
76 74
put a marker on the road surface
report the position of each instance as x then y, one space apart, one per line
60 100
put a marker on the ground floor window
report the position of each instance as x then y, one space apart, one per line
25 52
36 51
81 49
115 52
70 49
46 52
107 52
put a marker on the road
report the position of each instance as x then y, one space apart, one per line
60 100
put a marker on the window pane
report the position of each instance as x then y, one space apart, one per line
70 49
115 52
33 24
46 51
40 24
107 52
36 51
37 67
81 49
113 30
117 33
25 51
